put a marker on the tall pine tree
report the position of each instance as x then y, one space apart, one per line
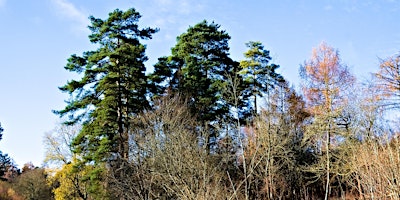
259 74
112 89
197 69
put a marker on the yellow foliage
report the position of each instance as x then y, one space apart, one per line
70 183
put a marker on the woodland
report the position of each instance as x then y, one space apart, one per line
204 126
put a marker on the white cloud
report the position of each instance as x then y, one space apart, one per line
69 11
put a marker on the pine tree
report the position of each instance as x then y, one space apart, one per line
258 73
112 89
197 70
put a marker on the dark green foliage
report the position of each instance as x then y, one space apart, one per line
113 86
8 169
1 132
111 92
197 69
259 74
5 164
202 136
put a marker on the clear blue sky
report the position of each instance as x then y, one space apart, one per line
37 37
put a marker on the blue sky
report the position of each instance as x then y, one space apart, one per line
38 36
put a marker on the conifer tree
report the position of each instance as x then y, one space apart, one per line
1 131
112 89
197 69
258 73
5 161
325 82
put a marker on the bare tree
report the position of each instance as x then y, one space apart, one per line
66 172
388 82
169 158
377 166
58 144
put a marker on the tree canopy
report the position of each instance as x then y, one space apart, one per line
259 74
112 89
202 125
196 69
113 86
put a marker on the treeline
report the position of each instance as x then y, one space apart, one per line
29 182
204 126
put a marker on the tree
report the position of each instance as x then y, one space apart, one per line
6 164
296 110
270 159
293 122
58 144
32 184
273 155
259 75
69 184
7 193
7 167
197 71
388 82
28 167
1 131
68 175
169 160
234 94
112 89
326 80
363 114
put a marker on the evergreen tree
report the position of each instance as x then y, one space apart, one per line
259 75
5 160
197 69
5 164
1 132
112 89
